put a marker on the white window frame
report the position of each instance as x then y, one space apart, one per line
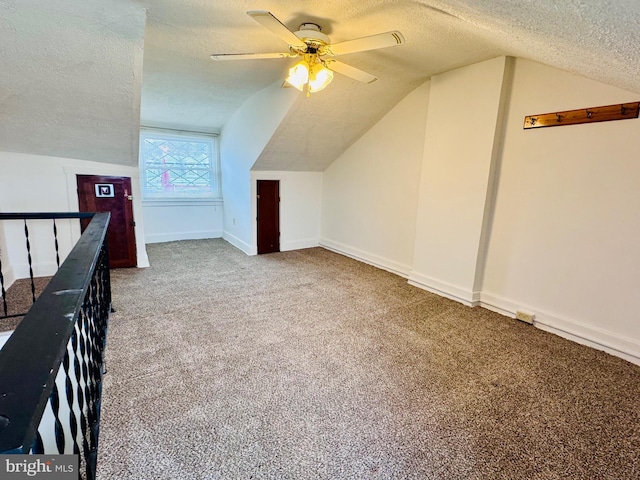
214 168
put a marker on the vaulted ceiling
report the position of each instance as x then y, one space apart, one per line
73 70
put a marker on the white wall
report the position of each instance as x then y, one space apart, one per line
543 220
182 220
36 183
7 270
463 126
370 193
242 140
566 229
300 206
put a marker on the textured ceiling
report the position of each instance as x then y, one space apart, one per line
70 79
183 88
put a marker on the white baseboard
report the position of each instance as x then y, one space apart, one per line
444 289
48 269
174 236
43 269
143 259
366 257
299 244
591 336
239 244
284 246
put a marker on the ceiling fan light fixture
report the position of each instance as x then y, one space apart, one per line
320 76
310 73
317 51
298 75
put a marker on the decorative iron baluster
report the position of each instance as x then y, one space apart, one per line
33 285
59 431
69 390
94 327
69 420
4 293
85 400
55 243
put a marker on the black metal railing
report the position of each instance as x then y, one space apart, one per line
51 367
23 217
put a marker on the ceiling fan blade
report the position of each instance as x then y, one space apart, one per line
249 56
351 72
381 40
275 26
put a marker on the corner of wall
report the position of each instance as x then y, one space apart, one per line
456 179
239 244
494 171
444 289
242 140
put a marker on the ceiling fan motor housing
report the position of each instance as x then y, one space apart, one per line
315 47
310 34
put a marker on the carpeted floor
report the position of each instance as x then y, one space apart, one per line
19 300
307 364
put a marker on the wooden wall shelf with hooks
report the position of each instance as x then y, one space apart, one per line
607 113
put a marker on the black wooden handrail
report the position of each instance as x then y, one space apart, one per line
31 358
44 216
24 216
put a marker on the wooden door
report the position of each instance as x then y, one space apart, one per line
111 194
268 209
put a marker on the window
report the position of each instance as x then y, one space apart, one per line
177 166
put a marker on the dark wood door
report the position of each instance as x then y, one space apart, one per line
111 194
268 216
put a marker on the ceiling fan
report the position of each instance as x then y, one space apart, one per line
315 70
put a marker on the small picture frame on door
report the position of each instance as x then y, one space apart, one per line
104 190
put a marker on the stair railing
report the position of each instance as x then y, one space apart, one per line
51 367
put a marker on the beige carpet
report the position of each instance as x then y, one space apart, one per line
19 300
308 364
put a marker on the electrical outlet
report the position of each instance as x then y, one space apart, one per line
525 317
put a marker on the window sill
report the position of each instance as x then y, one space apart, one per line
182 202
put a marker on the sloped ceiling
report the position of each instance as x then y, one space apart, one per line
69 82
70 78
182 87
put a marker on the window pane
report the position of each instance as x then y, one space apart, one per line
178 166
